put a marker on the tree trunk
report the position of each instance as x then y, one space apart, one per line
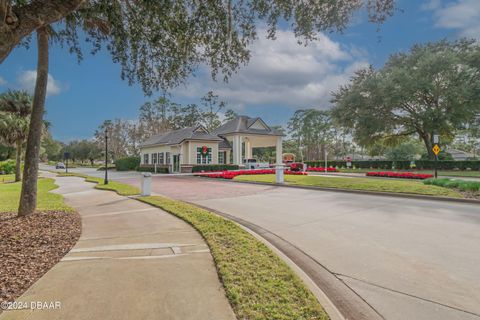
427 139
28 198
18 162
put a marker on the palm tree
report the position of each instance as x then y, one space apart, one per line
15 109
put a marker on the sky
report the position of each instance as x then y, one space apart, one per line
281 77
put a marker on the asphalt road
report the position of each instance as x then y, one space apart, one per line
409 259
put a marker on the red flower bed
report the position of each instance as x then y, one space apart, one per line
403 175
321 169
233 174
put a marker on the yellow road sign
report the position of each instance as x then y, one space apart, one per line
436 149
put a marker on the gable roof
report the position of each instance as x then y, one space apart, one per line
243 124
177 136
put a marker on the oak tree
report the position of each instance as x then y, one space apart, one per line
432 89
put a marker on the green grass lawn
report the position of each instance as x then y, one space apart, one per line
452 173
366 184
46 201
258 284
4 178
122 189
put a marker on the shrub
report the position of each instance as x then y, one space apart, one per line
152 169
402 175
128 163
455 184
214 167
7 167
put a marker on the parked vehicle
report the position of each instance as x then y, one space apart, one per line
60 165
252 164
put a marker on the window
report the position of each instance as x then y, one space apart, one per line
167 156
204 159
221 157
154 158
145 158
161 159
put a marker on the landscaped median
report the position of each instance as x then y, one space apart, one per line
122 189
31 245
362 184
258 284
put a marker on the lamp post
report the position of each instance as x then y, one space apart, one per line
105 181
326 160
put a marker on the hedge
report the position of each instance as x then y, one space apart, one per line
128 163
402 165
152 169
7 167
214 167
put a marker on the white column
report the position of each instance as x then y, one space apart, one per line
279 150
240 150
248 149
279 178
235 149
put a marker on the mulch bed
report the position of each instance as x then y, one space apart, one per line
31 245
470 194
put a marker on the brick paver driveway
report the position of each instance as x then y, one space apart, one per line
190 188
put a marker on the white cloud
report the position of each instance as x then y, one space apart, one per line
27 80
286 73
2 81
461 15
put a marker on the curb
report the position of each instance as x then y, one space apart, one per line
372 193
338 299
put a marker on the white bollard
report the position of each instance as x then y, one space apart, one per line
279 174
146 184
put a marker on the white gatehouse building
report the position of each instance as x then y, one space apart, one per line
232 143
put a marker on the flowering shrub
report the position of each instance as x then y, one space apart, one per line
296 166
233 174
403 175
321 169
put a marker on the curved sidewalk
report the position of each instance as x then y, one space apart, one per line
132 261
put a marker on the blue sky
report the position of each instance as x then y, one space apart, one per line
280 78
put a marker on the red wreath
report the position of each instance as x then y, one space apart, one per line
204 151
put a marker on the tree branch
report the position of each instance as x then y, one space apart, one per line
25 19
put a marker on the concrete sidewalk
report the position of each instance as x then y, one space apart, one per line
132 261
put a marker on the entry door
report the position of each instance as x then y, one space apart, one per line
176 163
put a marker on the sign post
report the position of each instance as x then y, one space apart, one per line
436 151
66 156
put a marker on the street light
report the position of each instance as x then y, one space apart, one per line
105 181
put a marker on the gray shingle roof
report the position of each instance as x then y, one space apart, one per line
177 136
242 124
224 144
